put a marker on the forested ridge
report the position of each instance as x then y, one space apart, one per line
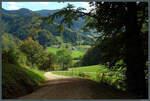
19 22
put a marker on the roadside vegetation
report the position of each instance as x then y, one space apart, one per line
98 73
18 80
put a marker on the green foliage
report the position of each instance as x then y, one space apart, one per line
111 51
35 28
9 41
14 56
64 58
119 66
81 74
112 79
93 52
146 71
47 61
45 33
68 13
32 49
55 67
39 58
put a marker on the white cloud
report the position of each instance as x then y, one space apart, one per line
13 5
85 3
44 3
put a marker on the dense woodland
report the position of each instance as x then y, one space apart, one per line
117 34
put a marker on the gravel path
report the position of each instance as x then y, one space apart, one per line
64 87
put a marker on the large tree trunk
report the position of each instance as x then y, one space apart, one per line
134 54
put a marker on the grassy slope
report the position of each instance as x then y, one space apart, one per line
19 80
52 49
93 68
75 53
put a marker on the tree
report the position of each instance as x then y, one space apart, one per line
64 58
110 18
35 27
112 49
13 56
9 41
45 38
32 49
47 61
93 52
135 53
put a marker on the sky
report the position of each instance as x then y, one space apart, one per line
34 6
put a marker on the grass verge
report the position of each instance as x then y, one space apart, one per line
98 73
18 80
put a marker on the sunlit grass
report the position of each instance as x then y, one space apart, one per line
75 53
94 68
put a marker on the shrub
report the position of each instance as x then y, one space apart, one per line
14 56
81 74
55 67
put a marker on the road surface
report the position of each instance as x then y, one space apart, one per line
64 87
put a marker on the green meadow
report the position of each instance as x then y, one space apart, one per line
75 53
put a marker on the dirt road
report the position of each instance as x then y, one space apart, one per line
51 76
63 87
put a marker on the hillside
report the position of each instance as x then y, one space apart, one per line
76 24
19 23
47 12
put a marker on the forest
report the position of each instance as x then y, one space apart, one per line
105 50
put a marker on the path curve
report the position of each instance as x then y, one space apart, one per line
51 76
64 87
